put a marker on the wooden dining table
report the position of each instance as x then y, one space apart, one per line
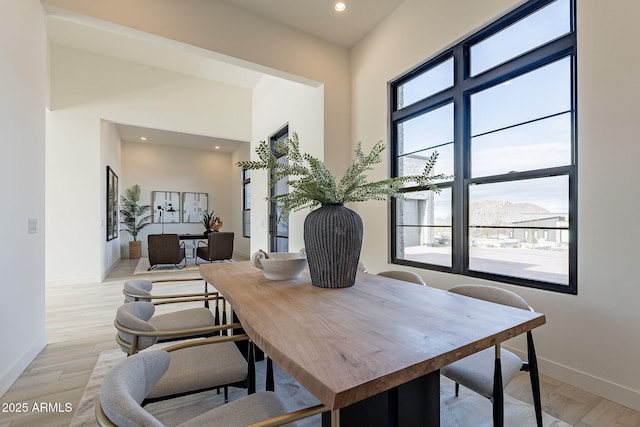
372 350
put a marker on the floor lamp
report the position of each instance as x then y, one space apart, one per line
167 207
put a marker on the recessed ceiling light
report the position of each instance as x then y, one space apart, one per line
143 138
217 147
340 6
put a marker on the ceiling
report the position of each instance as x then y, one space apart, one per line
318 18
130 133
315 17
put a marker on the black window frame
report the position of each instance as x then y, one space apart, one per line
246 211
277 242
460 93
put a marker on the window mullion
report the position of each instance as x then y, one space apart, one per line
461 162
531 60
431 103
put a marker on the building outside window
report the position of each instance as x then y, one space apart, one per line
500 109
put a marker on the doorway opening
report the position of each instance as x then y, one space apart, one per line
278 227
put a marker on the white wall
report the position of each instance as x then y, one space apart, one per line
164 168
229 30
23 53
110 155
87 89
276 103
590 340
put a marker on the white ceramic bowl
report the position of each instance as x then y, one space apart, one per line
280 265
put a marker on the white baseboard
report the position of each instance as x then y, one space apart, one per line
109 269
599 386
11 375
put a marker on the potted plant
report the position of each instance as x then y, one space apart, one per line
207 221
134 217
332 233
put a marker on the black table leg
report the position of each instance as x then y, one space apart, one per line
498 393
413 404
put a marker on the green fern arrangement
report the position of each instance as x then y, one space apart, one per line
311 184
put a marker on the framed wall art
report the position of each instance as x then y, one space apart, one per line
166 206
112 204
194 205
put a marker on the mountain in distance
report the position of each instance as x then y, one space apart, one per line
500 212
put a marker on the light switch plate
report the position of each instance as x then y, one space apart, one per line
33 226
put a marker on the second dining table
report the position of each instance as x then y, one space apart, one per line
372 350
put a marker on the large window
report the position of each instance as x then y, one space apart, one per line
500 109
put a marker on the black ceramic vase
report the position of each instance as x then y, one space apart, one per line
333 240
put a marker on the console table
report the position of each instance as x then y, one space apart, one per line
373 350
192 237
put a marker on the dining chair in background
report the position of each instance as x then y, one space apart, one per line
218 247
165 249
405 276
141 290
195 367
479 372
138 327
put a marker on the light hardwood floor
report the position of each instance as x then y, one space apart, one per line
80 326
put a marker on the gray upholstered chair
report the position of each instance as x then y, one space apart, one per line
227 364
140 290
480 371
137 290
219 247
405 276
138 328
165 249
127 384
